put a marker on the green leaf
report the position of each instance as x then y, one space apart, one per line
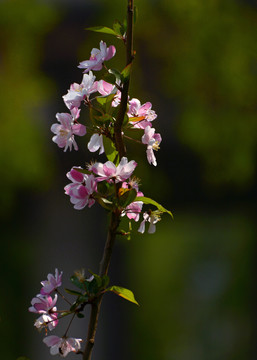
110 150
117 27
128 196
125 74
79 315
147 200
82 299
105 281
125 293
72 292
110 78
77 283
102 29
116 73
106 204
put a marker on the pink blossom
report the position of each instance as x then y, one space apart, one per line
96 143
109 172
143 112
45 306
52 282
65 131
152 217
79 92
98 56
134 209
81 189
105 88
62 346
152 141
116 99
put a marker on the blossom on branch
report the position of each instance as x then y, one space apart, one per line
109 172
52 283
134 209
62 345
152 217
144 113
96 143
65 131
45 306
79 92
152 141
81 189
98 56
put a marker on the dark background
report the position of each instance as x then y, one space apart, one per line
195 277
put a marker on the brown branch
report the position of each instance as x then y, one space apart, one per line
124 92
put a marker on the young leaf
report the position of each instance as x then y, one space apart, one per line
117 26
79 315
147 200
77 283
125 293
127 197
126 72
110 150
102 29
73 292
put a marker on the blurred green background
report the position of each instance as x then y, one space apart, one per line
195 278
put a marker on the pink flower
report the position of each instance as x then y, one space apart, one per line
143 112
81 189
79 92
62 346
134 209
152 141
95 143
65 131
98 56
45 306
51 283
105 88
109 172
152 217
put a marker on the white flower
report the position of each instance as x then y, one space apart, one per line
62 346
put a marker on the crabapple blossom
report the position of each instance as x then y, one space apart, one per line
152 217
79 92
98 56
62 345
95 143
105 88
45 306
52 282
134 209
152 141
65 131
81 189
143 112
109 172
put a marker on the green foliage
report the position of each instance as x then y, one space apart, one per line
128 196
110 150
124 293
147 200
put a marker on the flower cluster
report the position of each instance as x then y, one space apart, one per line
140 116
44 305
84 189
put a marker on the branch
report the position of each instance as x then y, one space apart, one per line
115 216
124 92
